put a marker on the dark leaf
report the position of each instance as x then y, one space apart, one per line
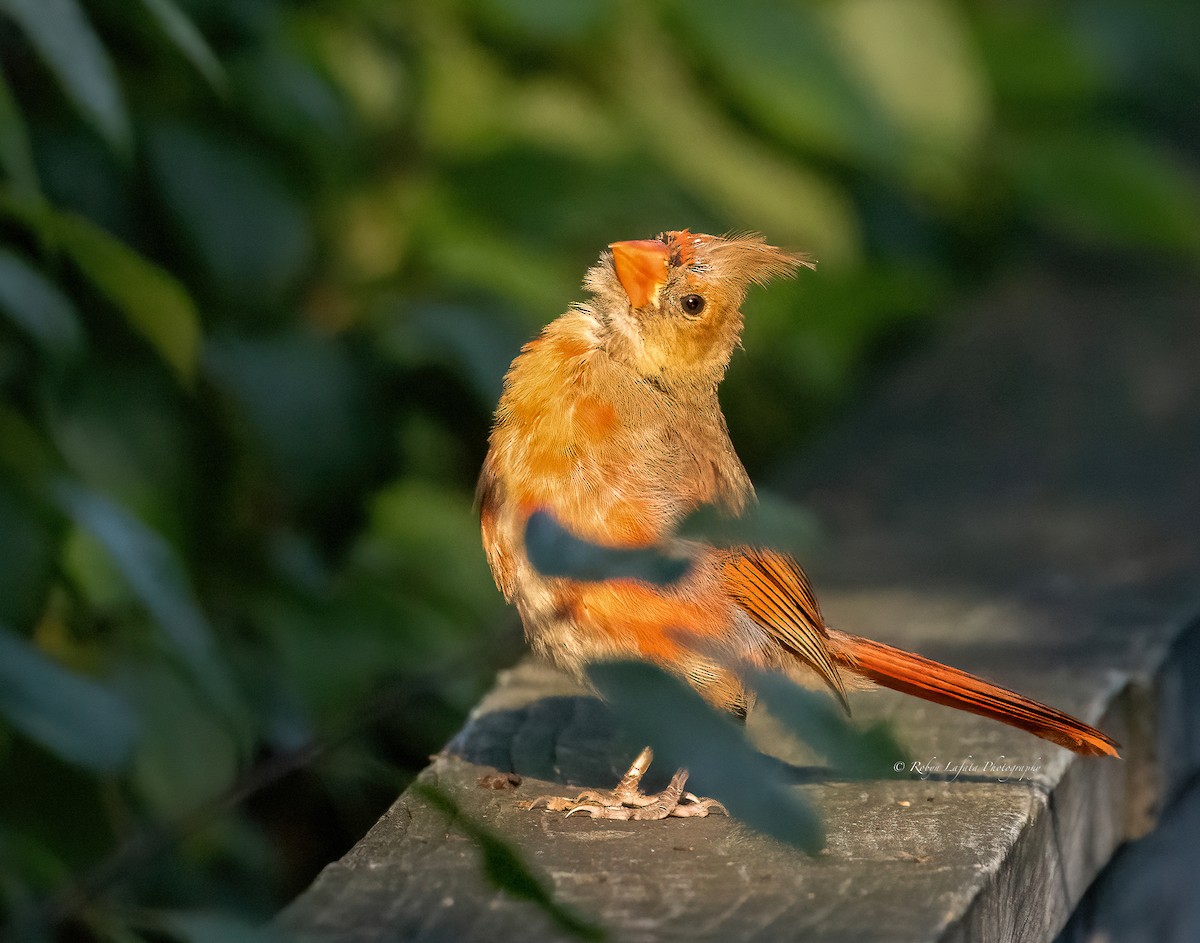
306 405
157 578
477 345
780 63
66 42
122 428
76 718
189 40
16 157
29 539
546 21
424 538
772 522
285 94
555 551
24 450
250 233
817 719
186 756
1111 188
1037 61
152 301
39 308
657 709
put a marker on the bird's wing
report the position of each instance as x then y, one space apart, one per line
772 590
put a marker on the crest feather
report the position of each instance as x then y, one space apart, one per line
748 256
741 257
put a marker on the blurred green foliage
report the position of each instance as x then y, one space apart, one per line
263 264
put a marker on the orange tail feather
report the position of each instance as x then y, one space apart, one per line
924 678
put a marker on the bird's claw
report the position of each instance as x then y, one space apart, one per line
628 802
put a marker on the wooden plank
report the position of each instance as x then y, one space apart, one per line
1021 502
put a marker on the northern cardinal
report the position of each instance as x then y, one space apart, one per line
610 422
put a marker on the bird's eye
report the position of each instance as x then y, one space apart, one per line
692 304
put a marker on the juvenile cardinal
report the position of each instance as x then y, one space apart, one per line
610 423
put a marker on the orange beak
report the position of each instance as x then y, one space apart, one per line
642 268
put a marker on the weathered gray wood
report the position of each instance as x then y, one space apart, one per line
1023 502
1148 893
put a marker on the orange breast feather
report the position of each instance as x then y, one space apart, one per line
642 621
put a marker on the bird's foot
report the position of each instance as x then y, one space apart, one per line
628 801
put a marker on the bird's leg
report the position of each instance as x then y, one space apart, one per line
628 801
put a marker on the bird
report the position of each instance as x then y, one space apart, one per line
610 424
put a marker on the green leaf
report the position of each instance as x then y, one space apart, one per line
189 40
658 709
337 654
16 156
185 757
917 61
123 428
66 42
743 177
818 720
287 95
24 450
76 718
248 229
306 403
153 302
1111 188
780 63
157 578
1038 60
477 346
555 551
425 538
546 21
29 543
772 521
39 308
